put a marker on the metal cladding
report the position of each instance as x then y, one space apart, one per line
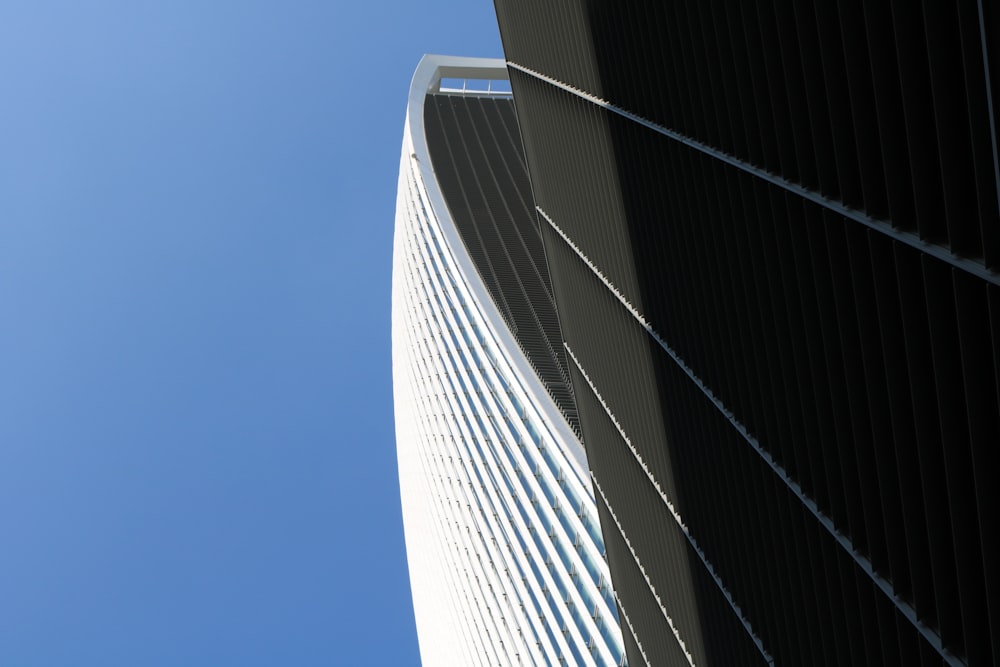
773 236
504 549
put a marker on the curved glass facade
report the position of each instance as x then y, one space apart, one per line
506 558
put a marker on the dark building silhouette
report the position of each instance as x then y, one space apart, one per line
772 230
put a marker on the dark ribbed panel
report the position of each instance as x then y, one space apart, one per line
866 367
693 600
879 105
476 150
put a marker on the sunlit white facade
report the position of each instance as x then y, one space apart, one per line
504 546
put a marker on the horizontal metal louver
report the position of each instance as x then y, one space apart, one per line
476 150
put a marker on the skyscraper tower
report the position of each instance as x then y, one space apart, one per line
503 541
773 239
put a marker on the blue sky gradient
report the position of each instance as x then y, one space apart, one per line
197 461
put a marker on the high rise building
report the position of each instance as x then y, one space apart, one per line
505 553
773 239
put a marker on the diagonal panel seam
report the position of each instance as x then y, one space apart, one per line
885 586
642 570
967 265
673 513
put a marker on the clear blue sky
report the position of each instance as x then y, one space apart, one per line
197 461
